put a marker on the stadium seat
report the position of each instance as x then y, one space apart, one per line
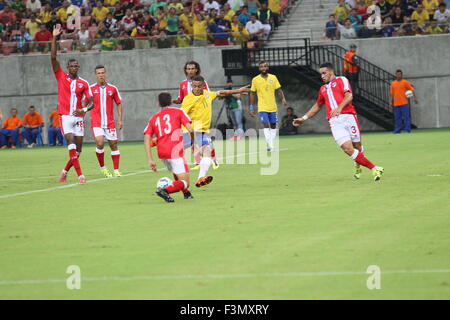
8 47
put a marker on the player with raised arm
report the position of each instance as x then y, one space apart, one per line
166 126
198 106
336 94
102 120
264 86
71 91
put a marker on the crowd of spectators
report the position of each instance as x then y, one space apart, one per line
107 25
387 18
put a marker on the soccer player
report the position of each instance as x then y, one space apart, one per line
166 126
336 94
192 69
198 106
102 120
264 87
71 90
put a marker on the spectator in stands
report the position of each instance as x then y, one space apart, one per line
356 20
154 7
253 6
430 6
173 22
46 14
400 103
365 31
442 15
184 19
331 28
23 40
118 12
241 36
235 5
33 6
111 24
162 41
11 127
219 29
406 27
361 8
177 5
161 15
434 28
126 42
346 31
62 12
100 12
33 25
420 15
397 16
341 11
211 4
145 4
43 38
265 17
274 6
108 42
287 128
385 8
409 6
388 29
141 33
128 22
228 14
255 28
7 16
32 123
18 5
244 17
82 38
183 40
199 25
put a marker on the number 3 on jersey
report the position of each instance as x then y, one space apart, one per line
167 128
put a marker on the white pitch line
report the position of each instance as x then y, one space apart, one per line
224 276
104 179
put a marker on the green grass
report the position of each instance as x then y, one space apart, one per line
312 216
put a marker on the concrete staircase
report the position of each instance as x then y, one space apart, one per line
306 20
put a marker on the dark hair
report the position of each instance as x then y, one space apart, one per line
443 5
13 109
195 63
72 60
100 66
164 99
31 107
327 65
398 70
290 108
262 62
198 78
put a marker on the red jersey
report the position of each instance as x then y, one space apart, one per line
70 92
102 115
332 94
166 126
186 88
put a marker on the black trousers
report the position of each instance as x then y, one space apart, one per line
353 79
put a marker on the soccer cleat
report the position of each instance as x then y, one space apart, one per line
81 180
358 171
215 164
377 173
203 181
188 195
63 176
196 167
117 173
160 192
106 173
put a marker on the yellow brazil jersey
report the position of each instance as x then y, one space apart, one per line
265 91
199 109
46 16
274 6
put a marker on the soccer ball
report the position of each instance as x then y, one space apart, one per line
409 94
163 182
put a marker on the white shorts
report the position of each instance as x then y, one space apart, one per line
177 166
345 127
108 133
72 124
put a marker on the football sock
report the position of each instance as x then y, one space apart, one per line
176 186
362 160
100 153
267 135
213 153
74 157
205 163
273 136
175 177
115 155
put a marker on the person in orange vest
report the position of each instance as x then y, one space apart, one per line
351 70
399 102
11 128
54 129
32 123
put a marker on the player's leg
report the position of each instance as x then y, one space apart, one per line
215 163
204 141
51 136
59 137
273 120
15 136
99 137
406 118
28 136
358 169
3 135
78 139
186 193
264 116
398 119
115 153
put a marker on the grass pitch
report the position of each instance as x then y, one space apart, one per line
308 232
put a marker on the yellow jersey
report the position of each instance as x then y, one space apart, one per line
199 109
265 91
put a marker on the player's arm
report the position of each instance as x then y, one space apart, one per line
148 151
189 128
311 113
119 112
56 32
223 93
281 95
89 103
252 103
414 92
348 97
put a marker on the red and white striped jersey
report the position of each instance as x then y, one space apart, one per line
70 92
332 94
102 115
166 126
186 88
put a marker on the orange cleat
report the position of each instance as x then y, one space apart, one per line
63 176
203 181
154 142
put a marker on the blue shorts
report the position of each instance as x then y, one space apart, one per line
271 117
203 139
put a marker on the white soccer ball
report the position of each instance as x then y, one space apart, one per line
163 182
409 94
